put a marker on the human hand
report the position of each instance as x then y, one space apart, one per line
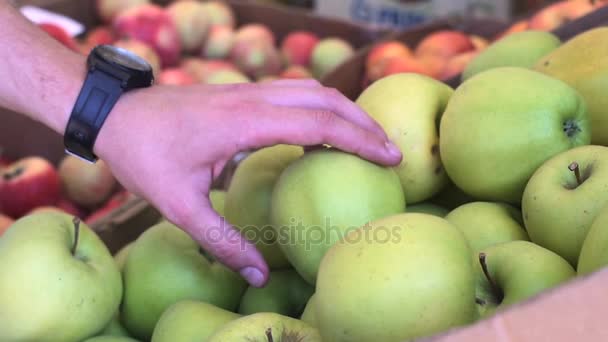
168 144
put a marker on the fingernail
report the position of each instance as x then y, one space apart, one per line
253 276
392 149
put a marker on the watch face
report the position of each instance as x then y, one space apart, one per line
123 57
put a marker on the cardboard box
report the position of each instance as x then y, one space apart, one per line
404 14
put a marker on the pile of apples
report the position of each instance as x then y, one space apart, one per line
445 54
33 184
500 197
192 41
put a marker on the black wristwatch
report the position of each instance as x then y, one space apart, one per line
111 71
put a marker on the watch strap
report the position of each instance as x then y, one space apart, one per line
99 94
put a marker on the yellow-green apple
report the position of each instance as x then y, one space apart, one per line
165 266
522 49
5 223
248 200
445 44
581 62
121 256
296 72
108 9
115 328
286 293
408 107
142 50
381 53
428 208
399 278
110 338
188 321
152 25
560 13
328 54
256 59
309 316
485 224
226 77
218 201
88 185
175 76
594 254
314 205
220 13
480 43
297 47
190 17
62 269
266 326
564 196
503 124
27 184
219 42
511 272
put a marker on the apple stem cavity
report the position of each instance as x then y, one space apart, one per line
484 266
577 172
11 174
269 335
480 301
76 222
571 128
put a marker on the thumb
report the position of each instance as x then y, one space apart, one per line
225 243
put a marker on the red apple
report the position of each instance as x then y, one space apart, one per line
219 42
296 72
26 184
254 33
446 44
200 69
405 64
112 204
560 13
142 50
519 26
88 185
60 35
298 46
102 35
457 64
108 9
381 53
175 76
256 59
154 26
192 23
5 223
328 54
219 13
480 43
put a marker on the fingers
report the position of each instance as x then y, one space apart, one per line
314 127
220 239
324 99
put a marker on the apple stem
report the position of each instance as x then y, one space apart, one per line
577 172
480 301
269 335
13 173
76 234
486 273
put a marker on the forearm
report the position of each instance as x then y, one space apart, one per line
40 77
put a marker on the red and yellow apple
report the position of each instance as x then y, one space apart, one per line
297 47
175 76
88 185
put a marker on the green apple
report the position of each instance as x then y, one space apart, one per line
428 208
409 107
218 199
249 195
309 316
323 195
399 278
121 256
286 293
110 339
267 327
59 281
189 321
503 124
166 266
512 272
485 224
581 62
594 254
115 328
563 198
521 49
